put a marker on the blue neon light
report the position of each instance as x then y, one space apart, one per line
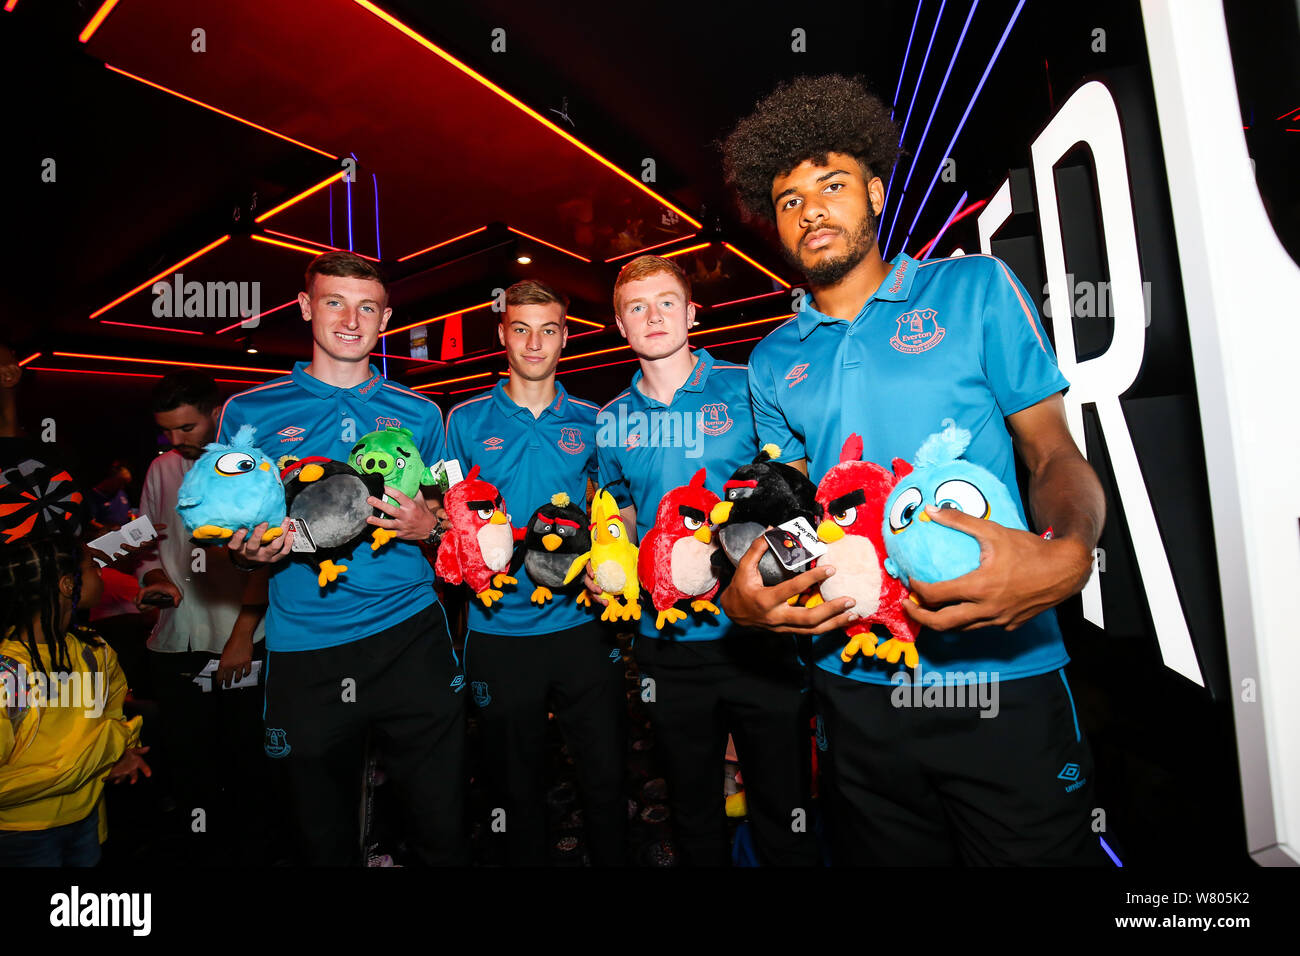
915 89
1109 852
964 116
906 54
933 109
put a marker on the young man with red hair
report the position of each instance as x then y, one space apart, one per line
705 676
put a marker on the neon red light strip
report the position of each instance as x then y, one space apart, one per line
77 371
432 48
760 268
658 245
100 15
147 361
220 112
168 271
445 242
155 328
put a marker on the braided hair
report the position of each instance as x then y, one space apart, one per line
29 591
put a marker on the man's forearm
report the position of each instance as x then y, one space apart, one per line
1065 495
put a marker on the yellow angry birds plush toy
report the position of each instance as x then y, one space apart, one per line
612 560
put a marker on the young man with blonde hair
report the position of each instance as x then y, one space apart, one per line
528 652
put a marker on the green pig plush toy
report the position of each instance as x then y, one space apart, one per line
391 453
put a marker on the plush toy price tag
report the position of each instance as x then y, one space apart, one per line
302 539
795 543
447 473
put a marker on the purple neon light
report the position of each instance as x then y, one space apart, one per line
374 177
915 90
933 108
964 116
948 222
906 54
1109 852
347 181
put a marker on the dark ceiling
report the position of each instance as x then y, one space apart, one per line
445 109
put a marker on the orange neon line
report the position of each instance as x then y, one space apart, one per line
741 325
34 355
657 245
449 381
258 316
301 196
397 24
588 368
751 298
409 358
168 271
288 245
445 242
682 252
10 6
79 371
760 268
520 232
147 361
104 10
438 318
323 247
574 318
219 111
155 328
570 358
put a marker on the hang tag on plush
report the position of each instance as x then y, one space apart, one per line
795 544
302 539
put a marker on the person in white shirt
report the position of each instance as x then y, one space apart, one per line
204 647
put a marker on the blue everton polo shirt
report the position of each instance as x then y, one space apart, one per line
301 416
941 339
656 447
529 459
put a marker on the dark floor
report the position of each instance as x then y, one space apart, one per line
145 831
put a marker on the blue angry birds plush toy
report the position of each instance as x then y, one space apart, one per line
231 487
924 549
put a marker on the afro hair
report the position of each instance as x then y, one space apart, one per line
805 119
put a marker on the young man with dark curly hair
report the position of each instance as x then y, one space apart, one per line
889 350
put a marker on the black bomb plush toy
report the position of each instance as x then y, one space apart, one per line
555 535
762 494
329 497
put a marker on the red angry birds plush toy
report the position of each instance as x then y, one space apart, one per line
676 558
477 549
852 497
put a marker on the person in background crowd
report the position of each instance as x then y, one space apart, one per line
62 730
208 638
109 505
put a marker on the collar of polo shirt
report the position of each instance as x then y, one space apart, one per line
365 391
508 406
895 288
694 382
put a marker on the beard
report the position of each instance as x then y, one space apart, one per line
829 271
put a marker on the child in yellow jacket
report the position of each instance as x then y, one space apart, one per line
62 730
